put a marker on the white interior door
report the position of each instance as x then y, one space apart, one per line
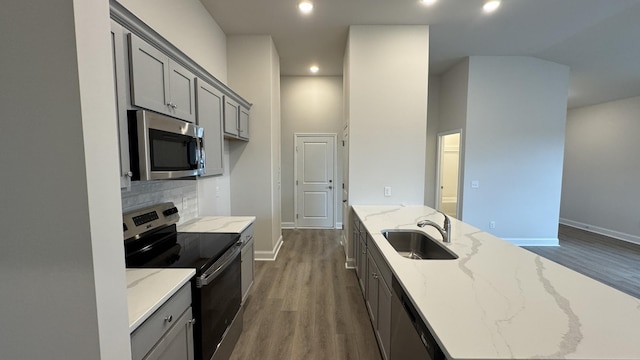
448 173
315 162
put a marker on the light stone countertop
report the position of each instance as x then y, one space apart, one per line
498 301
219 224
148 289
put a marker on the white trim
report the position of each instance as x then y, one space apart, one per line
350 263
439 154
533 241
602 231
288 225
269 255
295 176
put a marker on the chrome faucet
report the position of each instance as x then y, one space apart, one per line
445 230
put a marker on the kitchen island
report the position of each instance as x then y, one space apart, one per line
498 301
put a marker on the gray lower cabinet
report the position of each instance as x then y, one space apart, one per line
378 299
210 113
362 260
247 256
119 52
168 333
159 83
374 276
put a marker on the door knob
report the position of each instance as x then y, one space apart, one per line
330 187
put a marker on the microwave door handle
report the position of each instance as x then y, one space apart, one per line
193 155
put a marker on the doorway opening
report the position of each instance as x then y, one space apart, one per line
448 179
315 195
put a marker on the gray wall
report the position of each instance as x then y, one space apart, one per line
514 145
255 165
62 264
387 113
601 172
310 104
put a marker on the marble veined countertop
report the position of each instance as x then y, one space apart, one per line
148 289
498 301
220 224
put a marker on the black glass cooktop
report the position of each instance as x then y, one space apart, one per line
166 248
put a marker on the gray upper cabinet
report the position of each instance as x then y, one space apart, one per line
243 122
231 117
119 52
236 120
159 83
209 106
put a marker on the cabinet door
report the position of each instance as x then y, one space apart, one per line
384 317
177 343
243 129
247 269
149 76
119 51
362 264
182 102
355 240
210 114
372 290
231 116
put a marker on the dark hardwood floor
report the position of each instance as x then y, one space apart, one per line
306 305
610 261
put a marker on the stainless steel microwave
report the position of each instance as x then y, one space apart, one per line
162 147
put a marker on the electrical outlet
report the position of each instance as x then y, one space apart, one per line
492 224
475 184
185 203
387 191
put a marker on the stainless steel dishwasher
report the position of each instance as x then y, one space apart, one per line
410 338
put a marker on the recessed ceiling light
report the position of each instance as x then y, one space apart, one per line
305 7
428 2
490 5
314 69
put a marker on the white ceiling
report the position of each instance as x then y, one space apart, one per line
598 39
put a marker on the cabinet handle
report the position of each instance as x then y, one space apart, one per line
192 321
168 318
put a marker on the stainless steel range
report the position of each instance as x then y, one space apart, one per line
152 241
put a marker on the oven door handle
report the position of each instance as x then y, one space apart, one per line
219 266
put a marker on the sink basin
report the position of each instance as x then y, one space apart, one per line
417 245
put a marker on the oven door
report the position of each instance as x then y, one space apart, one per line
218 293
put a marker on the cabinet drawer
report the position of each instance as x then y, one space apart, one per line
148 334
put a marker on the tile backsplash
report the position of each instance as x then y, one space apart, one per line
183 193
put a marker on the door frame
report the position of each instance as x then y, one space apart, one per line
295 174
460 167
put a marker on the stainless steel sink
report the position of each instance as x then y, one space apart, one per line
417 245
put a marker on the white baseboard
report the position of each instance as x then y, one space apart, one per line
533 241
269 255
350 263
602 231
288 225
